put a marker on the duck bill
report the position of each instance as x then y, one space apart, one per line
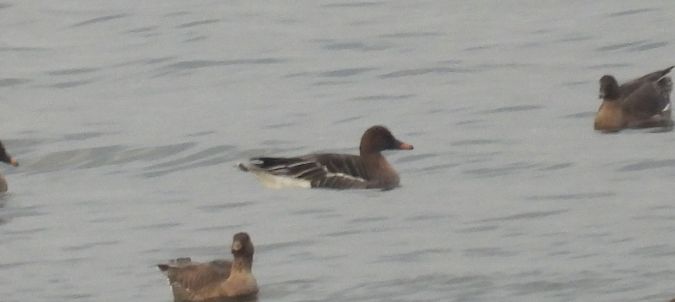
13 162
404 146
236 246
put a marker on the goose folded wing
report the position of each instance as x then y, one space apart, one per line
341 172
321 170
192 276
632 85
646 101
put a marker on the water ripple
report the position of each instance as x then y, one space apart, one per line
648 165
197 64
581 115
383 97
517 108
556 166
525 216
426 217
481 47
145 61
354 4
414 256
89 245
70 84
331 83
608 66
228 205
631 12
488 252
210 156
15 264
8 214
71 71
10 82
361 46
284 245
619 46
423 71
578 37
416 157
104 155
142 29
313 211
648 46
158 226
348 119
478 229
573 196
347 72
437 288
654 251
474 142
412 34
197 23
500 171
21 49
82 136
99 20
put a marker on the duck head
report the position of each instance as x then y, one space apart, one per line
242 245
4 157
609 88
379 138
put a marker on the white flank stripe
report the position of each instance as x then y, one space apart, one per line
279 182
285 167
342 175
302 163
667 107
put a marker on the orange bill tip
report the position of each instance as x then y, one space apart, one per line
404 146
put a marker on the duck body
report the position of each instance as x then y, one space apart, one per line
640 103
327 170
367 170
5 158
216 280
3 184
609 117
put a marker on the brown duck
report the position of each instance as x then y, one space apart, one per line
5 158
367 170
216 280
640 103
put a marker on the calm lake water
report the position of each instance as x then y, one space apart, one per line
128 118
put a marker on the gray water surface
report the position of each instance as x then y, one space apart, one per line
128 118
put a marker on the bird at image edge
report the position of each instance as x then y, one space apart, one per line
216 280
640 103
5 158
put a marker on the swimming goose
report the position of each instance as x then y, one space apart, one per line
219 279
640 103
5 158
367 170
